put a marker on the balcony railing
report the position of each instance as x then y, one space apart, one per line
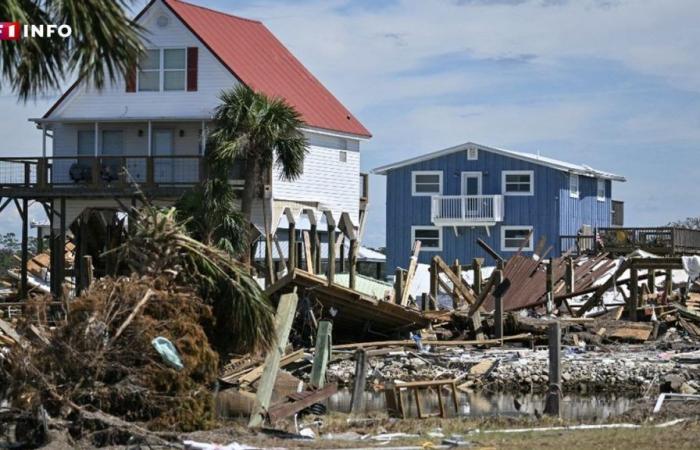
466 210
101 172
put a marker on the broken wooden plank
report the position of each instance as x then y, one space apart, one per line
517 337
283 324
322 353
299 402
412 265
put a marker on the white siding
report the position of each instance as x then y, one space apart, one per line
114 101
333 184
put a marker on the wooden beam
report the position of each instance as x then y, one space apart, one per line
283 324
600 290
308 252
464 290
358 390
489 250
633 301
353 263
478 279
322 353
412 265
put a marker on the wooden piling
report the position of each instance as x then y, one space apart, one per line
498 301
651 280
283 324
457 270
398 285
668 282
358 389
550 286
434 274
554 392
353 263
633 301
478 279
24 282
292 247
322 353
331 254
570 275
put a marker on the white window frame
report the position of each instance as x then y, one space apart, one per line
423 246
161 71
577 192
476 154
505 228
463 178
425 172
518 172
601 182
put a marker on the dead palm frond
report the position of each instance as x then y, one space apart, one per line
157 242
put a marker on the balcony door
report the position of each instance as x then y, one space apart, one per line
163 149
112 151
471 186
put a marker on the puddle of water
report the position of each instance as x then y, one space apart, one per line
480 404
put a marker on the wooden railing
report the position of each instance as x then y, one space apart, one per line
101 172
466 210
620 241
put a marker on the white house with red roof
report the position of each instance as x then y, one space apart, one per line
155 120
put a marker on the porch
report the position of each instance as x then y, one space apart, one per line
91 176
466 210
663 241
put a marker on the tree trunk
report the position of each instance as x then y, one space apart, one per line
251 182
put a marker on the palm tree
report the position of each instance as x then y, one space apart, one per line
262 131
104 44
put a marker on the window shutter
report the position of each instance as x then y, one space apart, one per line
192 68
131 79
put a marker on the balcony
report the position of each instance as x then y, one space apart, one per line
466 210
89 176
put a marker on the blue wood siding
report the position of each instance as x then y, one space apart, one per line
586 209
543 210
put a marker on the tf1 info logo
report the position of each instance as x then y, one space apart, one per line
13 31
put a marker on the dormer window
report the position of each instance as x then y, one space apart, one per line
163 70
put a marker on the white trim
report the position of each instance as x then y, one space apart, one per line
423 246
504 173
572 193
473 149
425 172
535 159
597 189
480 176
505 228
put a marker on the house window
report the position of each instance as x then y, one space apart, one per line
601 190
472 154
512 238
426 183
518 182
573 185
429 237
343 156
163 70
174 67
149 71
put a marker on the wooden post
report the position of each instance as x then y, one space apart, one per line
331 254
341 256
88 271
550 287
498 311
668 282
292 247
398 285
570 275
24 283
651 280
358 388
283 324
478 279
308 252
39 239
271 273
61 250
412 265
457 270
322 353
353 263
434 282
554 392
633 302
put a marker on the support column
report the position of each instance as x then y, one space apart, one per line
478 280
358 388
634 295
330 271
570 275
61 253
314 248
651 280
341 256
668 282
24 285
292 247
498 301
322 353
554 392
457 270
353 263
550 287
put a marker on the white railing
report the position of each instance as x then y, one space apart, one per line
466 210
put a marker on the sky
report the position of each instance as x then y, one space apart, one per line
614 84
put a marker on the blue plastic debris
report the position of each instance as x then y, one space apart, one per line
168 352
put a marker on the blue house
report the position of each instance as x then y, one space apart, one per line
450 198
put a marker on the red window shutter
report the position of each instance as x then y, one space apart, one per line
131 79
192 68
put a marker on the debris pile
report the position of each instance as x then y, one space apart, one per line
102 357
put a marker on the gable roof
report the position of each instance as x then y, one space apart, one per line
260 61
563 166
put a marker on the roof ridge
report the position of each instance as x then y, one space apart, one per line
216 11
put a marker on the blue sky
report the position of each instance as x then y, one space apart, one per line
614 84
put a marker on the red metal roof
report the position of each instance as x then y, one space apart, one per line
255 56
